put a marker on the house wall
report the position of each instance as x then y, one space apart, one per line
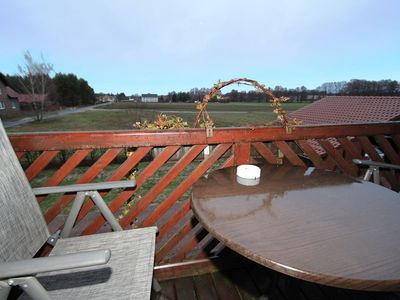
7 106
149 98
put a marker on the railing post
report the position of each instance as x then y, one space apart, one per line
241 153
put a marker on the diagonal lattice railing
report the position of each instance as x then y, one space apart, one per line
168 163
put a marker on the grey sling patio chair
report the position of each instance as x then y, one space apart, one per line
374 168
113 265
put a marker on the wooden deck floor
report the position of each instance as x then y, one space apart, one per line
252 281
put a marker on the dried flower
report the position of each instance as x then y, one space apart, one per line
163 121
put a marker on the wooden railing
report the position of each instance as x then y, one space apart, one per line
164 179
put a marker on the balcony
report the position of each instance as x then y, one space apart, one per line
189 261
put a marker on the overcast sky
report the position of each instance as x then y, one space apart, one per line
153 46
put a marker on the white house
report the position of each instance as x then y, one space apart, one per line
149 98
106 98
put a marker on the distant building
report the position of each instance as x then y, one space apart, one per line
28 99
106 98
135 98
149 98
8 98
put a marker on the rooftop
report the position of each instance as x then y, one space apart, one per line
350 109
28 98
11 93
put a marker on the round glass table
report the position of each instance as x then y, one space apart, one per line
315 225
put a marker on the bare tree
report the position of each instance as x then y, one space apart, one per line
35 78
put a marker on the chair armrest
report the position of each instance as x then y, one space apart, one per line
54 263
372 163
84 187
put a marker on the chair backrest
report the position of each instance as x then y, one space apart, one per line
23 230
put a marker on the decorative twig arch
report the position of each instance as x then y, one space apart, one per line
276 103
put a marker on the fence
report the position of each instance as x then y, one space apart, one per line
162 196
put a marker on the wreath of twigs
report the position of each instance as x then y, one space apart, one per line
203 119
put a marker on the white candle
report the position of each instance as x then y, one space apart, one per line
248 172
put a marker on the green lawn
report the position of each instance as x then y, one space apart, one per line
212 106
122 115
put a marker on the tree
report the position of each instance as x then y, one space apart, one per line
172 97
182 97
35 78
121 96
234 96
362 87
198 94
333 87
86 93
71 91
15 82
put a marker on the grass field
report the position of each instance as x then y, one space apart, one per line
212 106
122 115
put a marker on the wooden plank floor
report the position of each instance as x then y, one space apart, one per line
253 281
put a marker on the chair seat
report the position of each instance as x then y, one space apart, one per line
132 258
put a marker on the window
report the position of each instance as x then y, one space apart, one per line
2 105
13 104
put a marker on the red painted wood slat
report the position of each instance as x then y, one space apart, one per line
186 184
350 148
135 138
88 176
266 153
174 240
230 162
396 139
388 149
198 233
208 245
369 148
173 220
72 162
130 162
40 163
149 171
186 159
346 166
289 153
311 153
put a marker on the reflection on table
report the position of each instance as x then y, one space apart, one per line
312 224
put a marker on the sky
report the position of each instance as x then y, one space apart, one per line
151 46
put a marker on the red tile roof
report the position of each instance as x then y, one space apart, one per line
28 98
347 109
350 109
11 93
